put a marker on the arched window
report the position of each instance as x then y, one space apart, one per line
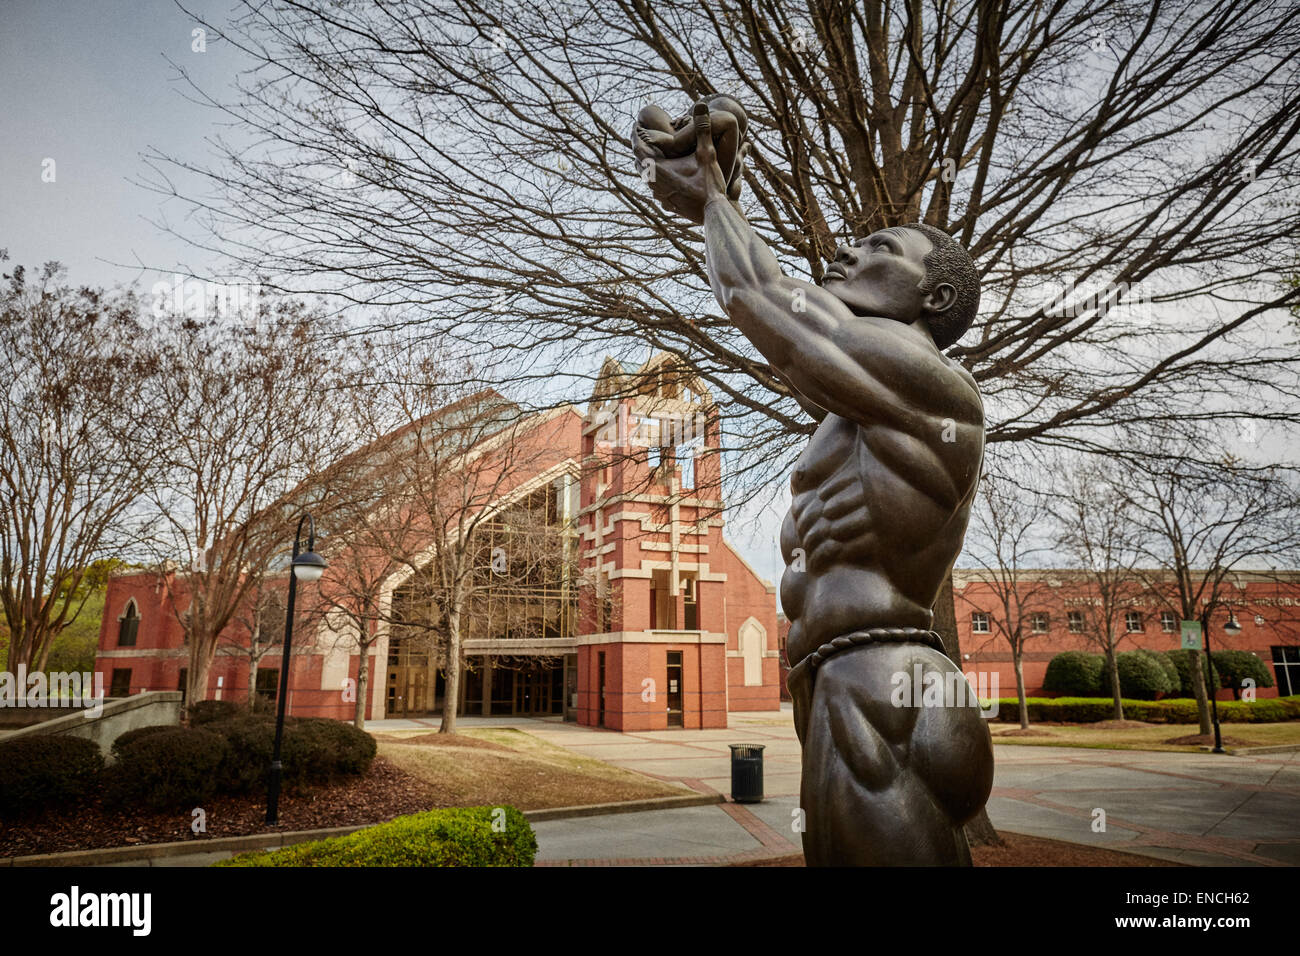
753 642
128 625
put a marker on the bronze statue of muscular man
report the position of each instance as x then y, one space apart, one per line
881 499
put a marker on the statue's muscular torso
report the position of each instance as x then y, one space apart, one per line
878 559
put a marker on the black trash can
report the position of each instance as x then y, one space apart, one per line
747 773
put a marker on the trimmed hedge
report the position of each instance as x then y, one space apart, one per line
1181 660
314 750
1235 666
1085 710
39 772
250 742
333 748
457 837
126 739
1142 676
1077 673
210 711
166 771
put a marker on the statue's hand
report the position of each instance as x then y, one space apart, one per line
684 184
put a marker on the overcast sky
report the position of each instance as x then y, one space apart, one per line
87 84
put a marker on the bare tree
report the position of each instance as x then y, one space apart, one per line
74 459
1008 541
243 419
450 499
1098 529
464 161
257 630
1198 524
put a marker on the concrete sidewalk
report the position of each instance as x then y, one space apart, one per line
1199 809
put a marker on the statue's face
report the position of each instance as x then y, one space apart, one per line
882 275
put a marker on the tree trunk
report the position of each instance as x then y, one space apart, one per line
979 831
1197 664
1112 668
196 681
452 698
1017 657
252 683
363 682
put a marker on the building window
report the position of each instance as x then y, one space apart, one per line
1133 622
121 685
1074 621
182 683
690 606
1286 665
1168 622
979 622
1038 621
128 625
268 686
753 642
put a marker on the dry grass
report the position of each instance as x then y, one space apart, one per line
1148 736
505 766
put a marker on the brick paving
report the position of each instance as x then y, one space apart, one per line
1198 809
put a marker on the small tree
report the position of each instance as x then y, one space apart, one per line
441 516
1096 533
1007 540
241 422
74 456
1198 523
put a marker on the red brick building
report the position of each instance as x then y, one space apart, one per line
675 629
1266 605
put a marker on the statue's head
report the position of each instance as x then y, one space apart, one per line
908 273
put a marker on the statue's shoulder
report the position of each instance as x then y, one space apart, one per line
969 387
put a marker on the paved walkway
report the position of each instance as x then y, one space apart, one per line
1199 809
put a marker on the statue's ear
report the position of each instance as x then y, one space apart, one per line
941 297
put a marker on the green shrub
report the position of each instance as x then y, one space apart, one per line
333 748
126 739
250 741
314 750
458 837
1177 710
166 771
210 711
43 771
1141 676
1171 672
1234 667
1181 659
1076 673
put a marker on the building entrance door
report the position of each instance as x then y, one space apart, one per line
675 689
539 689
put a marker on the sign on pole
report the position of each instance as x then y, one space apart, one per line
1191 634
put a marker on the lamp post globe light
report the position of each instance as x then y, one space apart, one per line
307 566
1232 629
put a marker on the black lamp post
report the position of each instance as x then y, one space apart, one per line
308 566
1231 628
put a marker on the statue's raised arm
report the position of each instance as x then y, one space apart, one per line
880 502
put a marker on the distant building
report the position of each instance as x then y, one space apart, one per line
675 629
1265 604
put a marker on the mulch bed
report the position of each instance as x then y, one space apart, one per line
1018 732
380 794
1024 851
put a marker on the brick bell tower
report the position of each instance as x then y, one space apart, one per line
652 644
